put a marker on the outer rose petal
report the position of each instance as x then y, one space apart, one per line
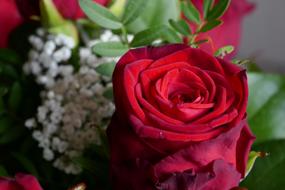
218 175
244 143
21 182
135 161
128 153
28 182
9 20
200 154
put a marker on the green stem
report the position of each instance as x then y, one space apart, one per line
125 36
194 35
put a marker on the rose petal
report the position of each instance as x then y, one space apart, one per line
201 154
218 175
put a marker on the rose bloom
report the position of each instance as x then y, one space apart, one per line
9 20
21 182
180 121
229 33
69 9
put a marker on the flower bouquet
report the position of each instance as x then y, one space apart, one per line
135 95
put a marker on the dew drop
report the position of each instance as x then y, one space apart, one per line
161 135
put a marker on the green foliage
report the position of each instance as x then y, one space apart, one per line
224 51
100 15
134 8
268 173
218 10
191 12
109 93
12 133
207 6
7 55
253 155
53 21
3 172
15 96
171 36
106 68
7 70
110 49
210 25
180 26
5 123
157 12
148 36
27 164
266 106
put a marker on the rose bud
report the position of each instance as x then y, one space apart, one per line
10 18
21 182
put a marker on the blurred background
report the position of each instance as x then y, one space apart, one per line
264 35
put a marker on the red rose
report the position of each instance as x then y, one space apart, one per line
21 182
69 9
179 122
229 32
9 20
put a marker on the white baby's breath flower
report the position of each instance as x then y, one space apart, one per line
73 103
48 154
30 123
48 53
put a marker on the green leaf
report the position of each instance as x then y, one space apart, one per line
2 105
15 96
3 172
266 106
224 50
253 155
27 164
117 7
3 90
268 173
9 56
106 69
171 36
210 25
50 16
5 123
207 5
110 49
191 12
109 93
100 15
10 135
199 42
133 9
8 70
180 26
146 37
90 165
157 12
218 10
104 142
68 28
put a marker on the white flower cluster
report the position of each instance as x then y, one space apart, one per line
48 58
73 105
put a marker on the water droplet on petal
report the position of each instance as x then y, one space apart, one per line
161 135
